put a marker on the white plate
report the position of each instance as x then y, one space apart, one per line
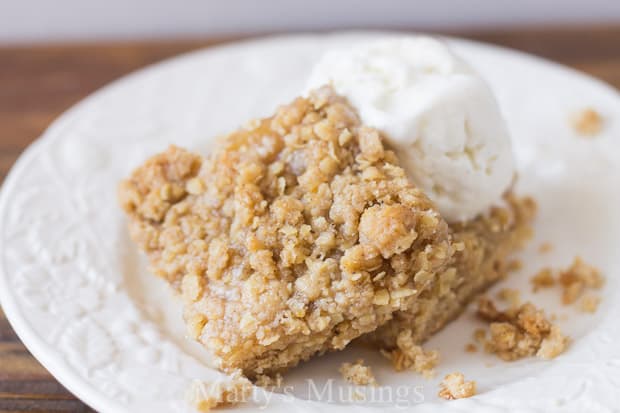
78 293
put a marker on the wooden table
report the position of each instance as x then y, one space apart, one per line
37 83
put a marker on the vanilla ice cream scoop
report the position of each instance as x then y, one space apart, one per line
438 115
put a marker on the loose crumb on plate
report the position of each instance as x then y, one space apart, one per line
520 332
358 373
553 344
514 265
409 356
589 303
510 295
205 396
587 122
480 335
545 247
542 279
575 279
454 386
471 348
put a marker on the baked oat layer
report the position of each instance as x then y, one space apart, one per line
483 249
297 235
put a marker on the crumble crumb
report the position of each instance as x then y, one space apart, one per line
358 373
480 335
205 396
510 295
410 356
589 303
587 122
545 247
542 279
454 386
267 381
520 332
553 345
577 278
574 282
514 265
471 348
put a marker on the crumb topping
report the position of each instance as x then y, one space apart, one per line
454 386
483 255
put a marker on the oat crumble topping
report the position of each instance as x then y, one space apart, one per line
454 387
358 373
483 249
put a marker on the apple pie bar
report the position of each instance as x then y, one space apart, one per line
300 233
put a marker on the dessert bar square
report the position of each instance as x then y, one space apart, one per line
298 234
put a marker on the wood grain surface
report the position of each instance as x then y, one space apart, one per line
39 82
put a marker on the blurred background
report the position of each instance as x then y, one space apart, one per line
62 20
